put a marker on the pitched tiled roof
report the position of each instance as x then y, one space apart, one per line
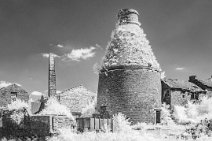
207 83
76 98
13 87
182 85
6 91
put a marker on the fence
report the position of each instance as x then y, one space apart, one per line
94 124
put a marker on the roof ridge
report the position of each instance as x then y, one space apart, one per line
74 88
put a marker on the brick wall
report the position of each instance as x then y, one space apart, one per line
61 122
179 98
175 97
35 125
41 125
45 125
133 92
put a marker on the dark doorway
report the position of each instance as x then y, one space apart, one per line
158 116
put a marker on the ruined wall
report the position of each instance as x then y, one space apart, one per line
179 98
60 122
133 92
45 125
4 99
175 97
39 126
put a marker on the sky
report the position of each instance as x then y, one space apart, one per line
179 31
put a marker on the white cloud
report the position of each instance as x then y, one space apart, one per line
59 45
46 55
179 68
83 53
4 84
98 46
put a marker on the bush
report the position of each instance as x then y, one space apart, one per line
18 104
194 112
166 115
90 109
121 123
53 107
17 111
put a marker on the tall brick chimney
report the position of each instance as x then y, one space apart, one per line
52 76
129 81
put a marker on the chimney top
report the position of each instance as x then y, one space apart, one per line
128 16
192 77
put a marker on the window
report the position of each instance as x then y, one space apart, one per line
197 96
13 96
183 95
192 96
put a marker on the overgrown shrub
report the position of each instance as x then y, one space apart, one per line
15 119
17 111
194 112
53 107
166 118
121 123
90 109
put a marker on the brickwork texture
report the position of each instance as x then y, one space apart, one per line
134 93
52 76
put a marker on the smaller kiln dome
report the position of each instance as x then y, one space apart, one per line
126 16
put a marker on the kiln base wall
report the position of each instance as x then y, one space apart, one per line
133 92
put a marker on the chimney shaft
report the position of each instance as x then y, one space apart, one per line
52 76
128 16
192 77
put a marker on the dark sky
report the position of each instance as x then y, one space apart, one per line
179 31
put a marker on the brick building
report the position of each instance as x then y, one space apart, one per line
12 92
178 92
76 99
203 84
129 81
